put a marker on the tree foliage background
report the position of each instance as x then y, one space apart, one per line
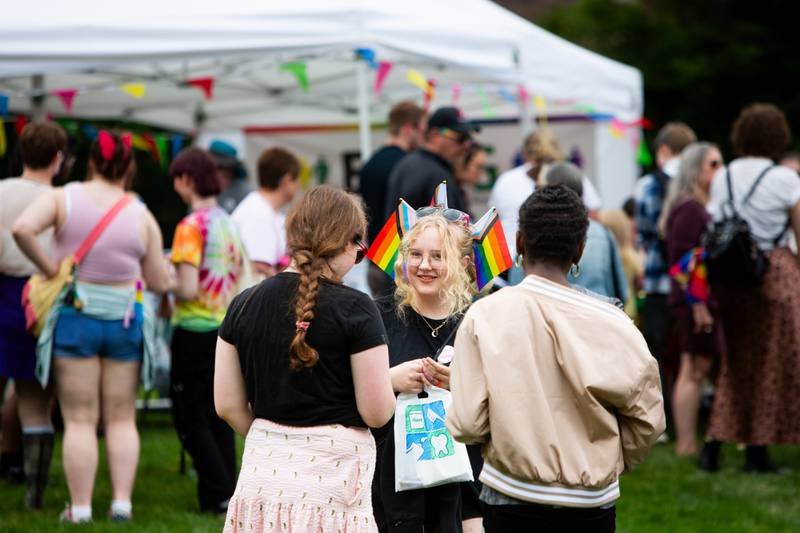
701 61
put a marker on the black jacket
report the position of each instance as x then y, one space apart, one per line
414 179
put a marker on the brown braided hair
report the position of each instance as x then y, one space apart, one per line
318 228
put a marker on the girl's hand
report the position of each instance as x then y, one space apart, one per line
435 373
408 376
703 321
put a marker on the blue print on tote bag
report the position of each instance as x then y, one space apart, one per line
427 437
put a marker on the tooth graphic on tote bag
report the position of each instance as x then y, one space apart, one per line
439 443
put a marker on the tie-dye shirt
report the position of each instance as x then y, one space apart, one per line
208 239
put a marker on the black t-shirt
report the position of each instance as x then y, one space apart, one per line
415 178
261 324
373 180
410 338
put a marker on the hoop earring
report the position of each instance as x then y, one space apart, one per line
575 270
519 260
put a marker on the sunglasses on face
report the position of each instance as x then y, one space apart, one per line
361 248
455 136
451 215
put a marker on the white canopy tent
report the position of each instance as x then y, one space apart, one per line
96 46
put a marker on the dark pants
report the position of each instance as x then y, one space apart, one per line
656 328
208 439
435 509
533 518
656 324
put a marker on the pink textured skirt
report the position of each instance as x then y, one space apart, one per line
304 480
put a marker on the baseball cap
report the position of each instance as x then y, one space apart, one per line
453 119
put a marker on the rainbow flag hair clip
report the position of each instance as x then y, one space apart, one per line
492 256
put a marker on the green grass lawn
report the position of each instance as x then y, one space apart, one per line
666 494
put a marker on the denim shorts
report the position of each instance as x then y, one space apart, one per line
79 335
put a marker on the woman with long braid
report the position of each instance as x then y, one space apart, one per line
302 369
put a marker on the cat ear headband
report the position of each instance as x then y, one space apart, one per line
489 242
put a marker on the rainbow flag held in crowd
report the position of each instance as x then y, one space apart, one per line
491 249
383 251
691 274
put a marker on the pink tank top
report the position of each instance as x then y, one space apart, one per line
116 256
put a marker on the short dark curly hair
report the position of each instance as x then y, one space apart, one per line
761 130
553 222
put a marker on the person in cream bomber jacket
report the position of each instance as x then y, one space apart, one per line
557 385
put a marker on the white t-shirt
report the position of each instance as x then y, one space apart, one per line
767 212
514 186
510 190
261 228
15 195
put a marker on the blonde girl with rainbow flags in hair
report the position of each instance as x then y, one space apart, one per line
435 272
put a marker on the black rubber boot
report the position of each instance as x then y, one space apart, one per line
38 450
756 460
709 456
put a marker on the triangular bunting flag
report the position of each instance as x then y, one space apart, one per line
456 91
177 145
19 124
67 96
644 157
430 93
417 80
205 84
297 69
3 144
161 148
368 55
487 106
384 67
136 90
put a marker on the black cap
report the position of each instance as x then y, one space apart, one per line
453 119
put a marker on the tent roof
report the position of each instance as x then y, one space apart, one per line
95 46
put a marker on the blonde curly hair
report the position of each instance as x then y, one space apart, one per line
458 282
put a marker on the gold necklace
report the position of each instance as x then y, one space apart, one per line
434 331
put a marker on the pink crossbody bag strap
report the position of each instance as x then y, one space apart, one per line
100 227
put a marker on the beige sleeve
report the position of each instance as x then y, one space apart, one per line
468 416
641 416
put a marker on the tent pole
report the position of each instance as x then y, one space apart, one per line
364 132
37 98
525 119
526 125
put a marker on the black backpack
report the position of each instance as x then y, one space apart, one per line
732 256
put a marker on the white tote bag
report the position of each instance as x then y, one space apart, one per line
425 454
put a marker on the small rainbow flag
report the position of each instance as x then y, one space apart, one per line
690 273
383 251
491 249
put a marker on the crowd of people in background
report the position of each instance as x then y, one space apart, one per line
593 329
